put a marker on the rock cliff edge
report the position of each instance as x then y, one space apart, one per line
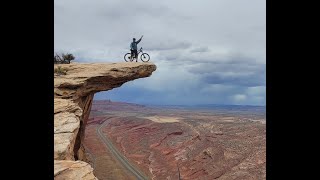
73 94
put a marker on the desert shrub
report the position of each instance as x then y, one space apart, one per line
57 59
63 58
68 57
60 71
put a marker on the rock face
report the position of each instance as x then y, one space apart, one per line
73 95
64 169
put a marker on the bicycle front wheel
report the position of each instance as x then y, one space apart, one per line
127 57
145 57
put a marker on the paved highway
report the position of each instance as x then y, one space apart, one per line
123 160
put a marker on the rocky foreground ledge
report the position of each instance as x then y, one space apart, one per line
73 95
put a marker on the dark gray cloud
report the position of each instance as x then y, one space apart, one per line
209 51
237 79
234 71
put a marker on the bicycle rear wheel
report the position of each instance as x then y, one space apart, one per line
127 57
145 57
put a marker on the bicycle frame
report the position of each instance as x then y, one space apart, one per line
144 57
140 51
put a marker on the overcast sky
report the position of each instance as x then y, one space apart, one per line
206 51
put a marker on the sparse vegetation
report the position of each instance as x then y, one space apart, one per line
207 154
63 58
60 71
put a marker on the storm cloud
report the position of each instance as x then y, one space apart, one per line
210 51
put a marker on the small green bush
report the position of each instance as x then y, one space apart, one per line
60 71
63 58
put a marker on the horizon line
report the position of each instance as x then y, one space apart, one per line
180 104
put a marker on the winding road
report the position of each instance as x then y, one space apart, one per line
123 160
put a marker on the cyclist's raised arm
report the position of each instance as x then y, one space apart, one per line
139 40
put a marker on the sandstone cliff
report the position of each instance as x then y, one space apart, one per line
73 94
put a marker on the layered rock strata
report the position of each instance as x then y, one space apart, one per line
74 88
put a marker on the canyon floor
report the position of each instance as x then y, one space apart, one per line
129 141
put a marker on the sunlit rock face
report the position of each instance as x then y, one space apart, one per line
73 95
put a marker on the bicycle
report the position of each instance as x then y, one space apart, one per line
144 56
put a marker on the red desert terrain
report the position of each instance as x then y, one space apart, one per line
176 142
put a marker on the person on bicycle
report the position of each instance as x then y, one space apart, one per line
134 48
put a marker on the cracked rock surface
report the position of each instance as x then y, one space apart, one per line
73 94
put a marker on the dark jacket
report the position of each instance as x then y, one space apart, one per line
134 46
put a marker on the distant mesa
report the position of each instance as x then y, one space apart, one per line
163 119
